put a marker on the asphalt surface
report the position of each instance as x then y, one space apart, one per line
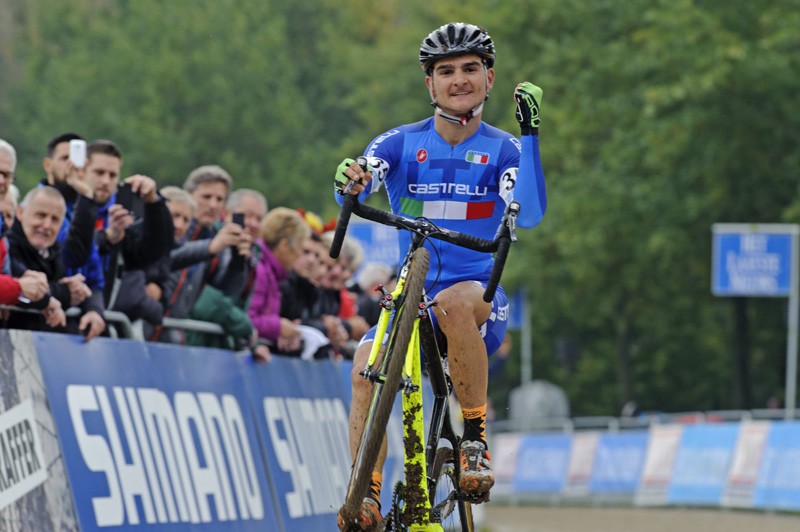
497 518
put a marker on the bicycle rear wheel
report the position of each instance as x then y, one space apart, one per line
453 514
384 395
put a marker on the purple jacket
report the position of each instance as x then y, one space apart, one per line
265 304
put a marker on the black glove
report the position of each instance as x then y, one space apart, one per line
529 98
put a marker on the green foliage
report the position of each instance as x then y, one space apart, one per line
658 120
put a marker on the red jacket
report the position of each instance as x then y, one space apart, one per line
9 287
9 290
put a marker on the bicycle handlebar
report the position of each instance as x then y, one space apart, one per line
501 244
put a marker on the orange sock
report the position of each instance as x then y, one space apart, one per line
375 486
475 423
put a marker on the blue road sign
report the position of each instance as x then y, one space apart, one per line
752 260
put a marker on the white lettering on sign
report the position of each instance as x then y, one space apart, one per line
754 269
310 441
22 466
181 455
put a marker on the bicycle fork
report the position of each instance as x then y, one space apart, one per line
417 502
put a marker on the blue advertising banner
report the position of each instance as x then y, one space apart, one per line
618 462
155 436
380 242
301 409
542 463
778 484
701 465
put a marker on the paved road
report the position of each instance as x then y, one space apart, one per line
589 519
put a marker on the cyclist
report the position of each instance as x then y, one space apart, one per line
460 173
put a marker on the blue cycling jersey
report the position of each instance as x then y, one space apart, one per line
463 188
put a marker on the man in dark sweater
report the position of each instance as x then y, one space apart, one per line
33 246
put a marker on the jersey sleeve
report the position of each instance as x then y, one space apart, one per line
529 187
382 155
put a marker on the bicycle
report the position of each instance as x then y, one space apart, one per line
429 500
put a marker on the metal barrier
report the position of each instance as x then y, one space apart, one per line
120 326
644 421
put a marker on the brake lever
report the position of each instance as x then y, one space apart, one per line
509 224
513 213
362 162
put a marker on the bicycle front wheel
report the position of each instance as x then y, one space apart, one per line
384 396
453 514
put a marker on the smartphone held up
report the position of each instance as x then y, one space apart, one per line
77 152
130 200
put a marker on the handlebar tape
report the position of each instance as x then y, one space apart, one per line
497 269
341 225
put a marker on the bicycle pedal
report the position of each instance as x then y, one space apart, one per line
372 376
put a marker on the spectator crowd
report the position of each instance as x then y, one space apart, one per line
86 241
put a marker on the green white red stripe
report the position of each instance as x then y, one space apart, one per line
477 157
447 210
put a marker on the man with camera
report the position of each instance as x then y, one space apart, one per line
64 168
211 253
133 230
244 208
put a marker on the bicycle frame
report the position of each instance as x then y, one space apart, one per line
410 336
420 483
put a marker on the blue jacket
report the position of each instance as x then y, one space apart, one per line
79 251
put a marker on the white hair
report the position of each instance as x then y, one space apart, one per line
373 274
236 197
13 194
9 149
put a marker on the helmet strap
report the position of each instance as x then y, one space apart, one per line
462 120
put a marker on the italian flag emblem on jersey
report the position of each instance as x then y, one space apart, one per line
447 210
477 157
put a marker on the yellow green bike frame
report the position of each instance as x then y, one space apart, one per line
417 501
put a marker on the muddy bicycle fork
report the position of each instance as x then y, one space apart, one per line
420 481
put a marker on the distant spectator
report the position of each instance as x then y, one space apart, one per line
230 311
33 246
8 165
76 236
300 296
208 253
181 206
8 208
32 285
372 275
127 245
340 300
77 232
253 206
283 232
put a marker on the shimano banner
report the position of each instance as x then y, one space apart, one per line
301 411
155 434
